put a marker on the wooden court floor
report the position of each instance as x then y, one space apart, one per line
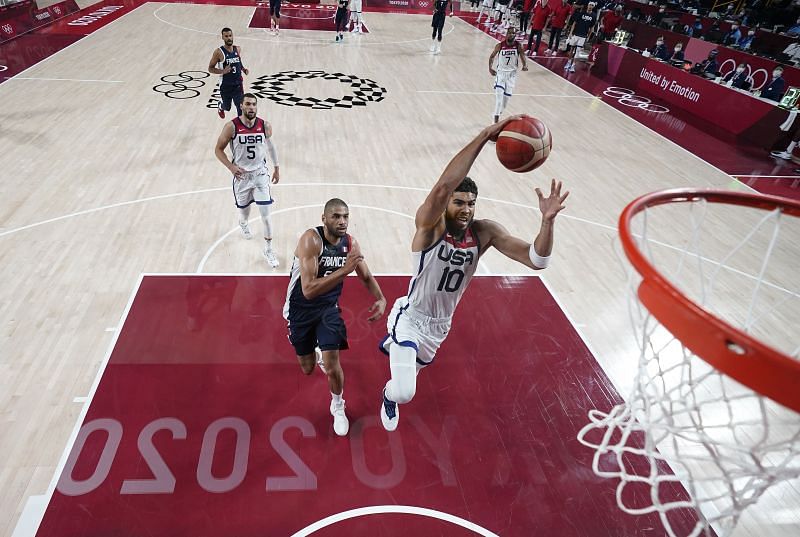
102 179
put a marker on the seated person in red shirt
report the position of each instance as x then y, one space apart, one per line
738 78
611 21
541 14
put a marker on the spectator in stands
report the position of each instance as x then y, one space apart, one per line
709 67
561 12
659 17
794 31
776 87
715 33
677 55
738 78
746 42
695 29
660 51
525 15
541 16
611 21
732 38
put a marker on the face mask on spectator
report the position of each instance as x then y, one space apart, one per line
751 32
776 73
739 70
659 42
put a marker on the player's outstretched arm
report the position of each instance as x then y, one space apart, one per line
534 256
307 251
430 212
369 281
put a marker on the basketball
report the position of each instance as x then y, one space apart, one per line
524 144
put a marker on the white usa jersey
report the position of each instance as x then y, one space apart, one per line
249 145
508 58
443 273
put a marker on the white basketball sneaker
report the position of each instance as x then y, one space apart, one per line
390 413
271 258
340 423
245 230
785 155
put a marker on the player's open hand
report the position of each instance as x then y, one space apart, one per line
492 72
354 257
226 69
554 203
493 131
238 173
378 307
276 175
246 71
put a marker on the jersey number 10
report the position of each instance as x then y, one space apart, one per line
451 280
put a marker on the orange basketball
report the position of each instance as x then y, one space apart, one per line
524 144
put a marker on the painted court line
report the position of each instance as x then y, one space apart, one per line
63 79
393 509
33 518
515 95
771 176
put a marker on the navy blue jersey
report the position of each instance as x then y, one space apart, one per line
331 258
584 21
232 58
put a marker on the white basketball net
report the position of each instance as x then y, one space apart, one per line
723 442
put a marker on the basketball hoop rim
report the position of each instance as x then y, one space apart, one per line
726 348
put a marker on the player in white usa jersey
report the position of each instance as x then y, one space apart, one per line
250 140
446 247
508 52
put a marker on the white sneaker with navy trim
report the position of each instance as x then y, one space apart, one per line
271 258
340 423
390 413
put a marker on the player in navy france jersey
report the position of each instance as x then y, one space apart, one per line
439 15
324 256
227 61
447 244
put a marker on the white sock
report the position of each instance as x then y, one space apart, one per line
244 215
268 243
266 219
791 147
337 398
498 101
505 101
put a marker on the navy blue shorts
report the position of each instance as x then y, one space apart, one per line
324 328
231 93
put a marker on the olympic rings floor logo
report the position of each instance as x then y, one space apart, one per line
627 97
277 88
184 85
